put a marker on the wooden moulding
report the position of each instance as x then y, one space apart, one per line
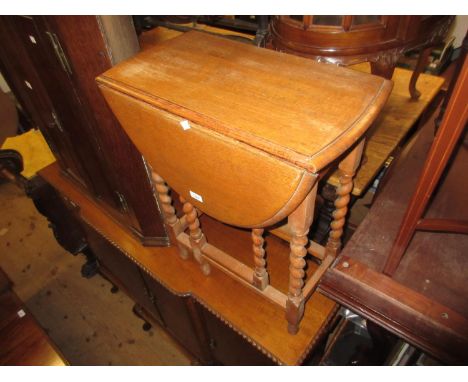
245 164
245 274
159 77
399 309
244 310
235 268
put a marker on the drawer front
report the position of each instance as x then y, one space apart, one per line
229 180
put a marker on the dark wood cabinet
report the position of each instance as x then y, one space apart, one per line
230 348
181 319
50 63
122 272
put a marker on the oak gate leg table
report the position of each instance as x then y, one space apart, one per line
242 134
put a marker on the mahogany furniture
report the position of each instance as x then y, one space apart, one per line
22 341
216 319
246 164
425 299
50 63
346 40
445 142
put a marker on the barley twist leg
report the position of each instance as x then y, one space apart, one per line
170 217
260 276
197 238
348 167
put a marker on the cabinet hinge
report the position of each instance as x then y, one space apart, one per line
57 121
59 52
122 201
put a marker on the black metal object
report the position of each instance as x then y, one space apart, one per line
255 25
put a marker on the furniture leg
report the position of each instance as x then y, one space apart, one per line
299 222
383 68
422 62
260 276
197 238
170 217
324 219
453 125
347 167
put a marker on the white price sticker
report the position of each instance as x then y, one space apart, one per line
21 313
196 196
185 124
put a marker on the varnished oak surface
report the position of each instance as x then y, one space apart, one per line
397 117
431 278
293 108
257 319
392 125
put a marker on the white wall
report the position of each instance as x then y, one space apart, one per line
458 29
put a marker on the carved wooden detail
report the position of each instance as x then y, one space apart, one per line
166 201
260 276
221 179
348 168
197 238
170 218
380 41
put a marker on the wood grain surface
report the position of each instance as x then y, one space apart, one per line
261 322
299 110
22 341
391 127
238 184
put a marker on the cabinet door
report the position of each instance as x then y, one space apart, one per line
180 319
122 271
230 348
54 70
92 44
26 83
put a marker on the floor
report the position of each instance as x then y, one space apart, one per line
90 325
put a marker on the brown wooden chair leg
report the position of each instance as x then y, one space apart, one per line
260 276
348 167
420 66
299 222
453 124
197 238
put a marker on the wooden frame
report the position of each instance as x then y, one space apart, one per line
295 232
235 167
452 127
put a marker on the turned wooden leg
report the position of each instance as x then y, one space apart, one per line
299 222
197 238
260 276
325 212
348 167
170 217
420 66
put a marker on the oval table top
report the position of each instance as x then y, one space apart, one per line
298 110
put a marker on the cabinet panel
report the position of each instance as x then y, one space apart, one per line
178 318
44 50
122 271
92 48
51 63
27 85
228 347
